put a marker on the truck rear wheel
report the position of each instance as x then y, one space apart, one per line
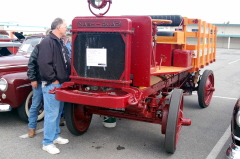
77 118
206 88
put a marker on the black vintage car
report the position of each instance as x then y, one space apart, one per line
233 151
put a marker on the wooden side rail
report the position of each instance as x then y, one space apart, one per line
178 38
205 49
206 38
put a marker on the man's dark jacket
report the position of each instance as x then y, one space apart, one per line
51 61
33 69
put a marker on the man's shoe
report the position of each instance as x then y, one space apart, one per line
109 122
61 122
31 133
61 141
52 149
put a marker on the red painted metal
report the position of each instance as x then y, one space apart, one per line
142 49
13 49
209 89
118 98
165 51
182 58
102 24
90 98
164 118
81 118
101 6
18 88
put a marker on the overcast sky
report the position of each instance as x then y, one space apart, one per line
43 12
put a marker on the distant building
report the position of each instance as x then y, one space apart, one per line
22 28
228 36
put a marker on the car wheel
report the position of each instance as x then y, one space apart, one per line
23 110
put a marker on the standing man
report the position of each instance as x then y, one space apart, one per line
54 66
34 76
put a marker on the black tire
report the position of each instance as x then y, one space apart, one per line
23 110
174 115
77 119
206 88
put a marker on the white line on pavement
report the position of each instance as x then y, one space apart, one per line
26 135
219 97
218 147
225 97
234 61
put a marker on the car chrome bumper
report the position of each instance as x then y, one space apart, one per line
5 107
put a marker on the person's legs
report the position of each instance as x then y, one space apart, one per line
62 118
33 112
52 108
109 122
58 131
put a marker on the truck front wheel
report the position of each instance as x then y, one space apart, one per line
77 118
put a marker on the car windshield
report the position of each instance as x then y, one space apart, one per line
29 44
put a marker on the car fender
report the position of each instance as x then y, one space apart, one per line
19 86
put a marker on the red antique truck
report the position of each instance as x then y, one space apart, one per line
123 67
15 88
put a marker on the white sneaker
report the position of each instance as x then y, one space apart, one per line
52 149
60 140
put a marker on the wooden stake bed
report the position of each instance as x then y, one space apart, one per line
170 70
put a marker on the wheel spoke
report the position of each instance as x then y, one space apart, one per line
77 119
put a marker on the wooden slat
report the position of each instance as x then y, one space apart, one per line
206 44
170 70
178 38
191 47
191 34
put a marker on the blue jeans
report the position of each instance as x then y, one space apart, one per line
36 103
53 110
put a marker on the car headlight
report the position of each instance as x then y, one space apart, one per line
3 85
238 118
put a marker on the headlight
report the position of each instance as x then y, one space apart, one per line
238 119
3 85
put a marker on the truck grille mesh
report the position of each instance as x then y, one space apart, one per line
115 46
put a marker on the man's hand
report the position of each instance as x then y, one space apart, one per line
56 82
34 84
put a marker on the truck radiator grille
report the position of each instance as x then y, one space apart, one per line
115 46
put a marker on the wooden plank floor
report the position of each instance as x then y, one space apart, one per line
170 70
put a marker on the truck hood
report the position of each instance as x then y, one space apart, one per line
13 61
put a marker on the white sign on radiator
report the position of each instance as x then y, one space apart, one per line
96 57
